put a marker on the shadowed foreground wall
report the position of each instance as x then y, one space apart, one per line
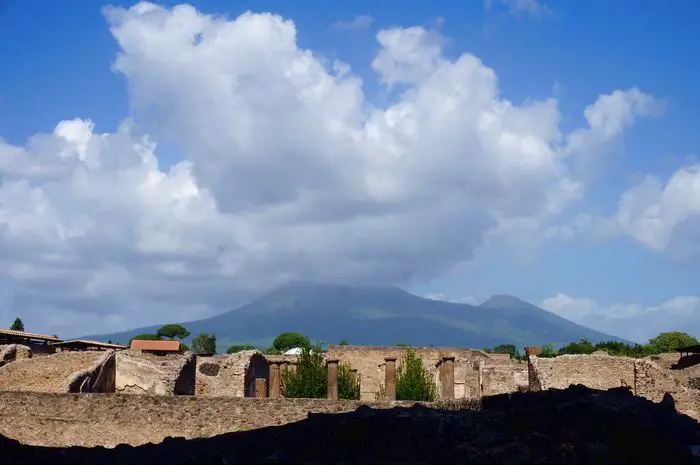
110 419
577 426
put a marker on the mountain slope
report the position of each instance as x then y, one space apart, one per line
382 316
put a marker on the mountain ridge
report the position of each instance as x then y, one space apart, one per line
376 315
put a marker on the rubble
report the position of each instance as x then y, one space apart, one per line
577 425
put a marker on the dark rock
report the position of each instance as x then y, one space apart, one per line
572 426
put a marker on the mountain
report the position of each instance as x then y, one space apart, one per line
369 315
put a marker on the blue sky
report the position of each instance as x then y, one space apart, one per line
57 64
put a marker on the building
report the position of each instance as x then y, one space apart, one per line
156 347
82 345
41 344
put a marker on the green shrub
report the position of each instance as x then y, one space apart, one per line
310 379
348 383
413 382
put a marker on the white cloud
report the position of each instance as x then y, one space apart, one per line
446 298
289 172
359 24
633 322
664 217
530 7
610 115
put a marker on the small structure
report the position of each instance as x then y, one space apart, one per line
82 345
156 347
39 343
690 356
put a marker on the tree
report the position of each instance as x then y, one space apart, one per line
670 341
506 349
172 331
343 342
548 351
204 344
184 347
348 383
290 340
239 348
310 378
413 381
18 325
581 347
145 337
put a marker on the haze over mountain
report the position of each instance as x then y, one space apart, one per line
381 316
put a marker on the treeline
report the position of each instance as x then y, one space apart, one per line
664 342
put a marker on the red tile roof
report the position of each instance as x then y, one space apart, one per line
158 346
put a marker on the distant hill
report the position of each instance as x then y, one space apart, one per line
381 316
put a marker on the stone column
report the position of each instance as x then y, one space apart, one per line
390 377
332 379
260 388
274 380
532 351
448 377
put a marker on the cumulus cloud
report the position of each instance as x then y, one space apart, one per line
661 215
288 172
664 217
633 322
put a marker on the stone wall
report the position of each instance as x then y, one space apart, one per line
143 373
47 373
110 419
369 362
644 377
502 379
11 352
596 371
99 378
230 375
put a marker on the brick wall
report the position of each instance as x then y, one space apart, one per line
111 419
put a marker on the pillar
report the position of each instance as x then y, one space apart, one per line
260 388
390 377
532 351
448 377
332 365
274 380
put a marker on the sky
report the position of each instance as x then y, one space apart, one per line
166 162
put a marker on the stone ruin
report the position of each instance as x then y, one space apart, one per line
573 426
243 391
